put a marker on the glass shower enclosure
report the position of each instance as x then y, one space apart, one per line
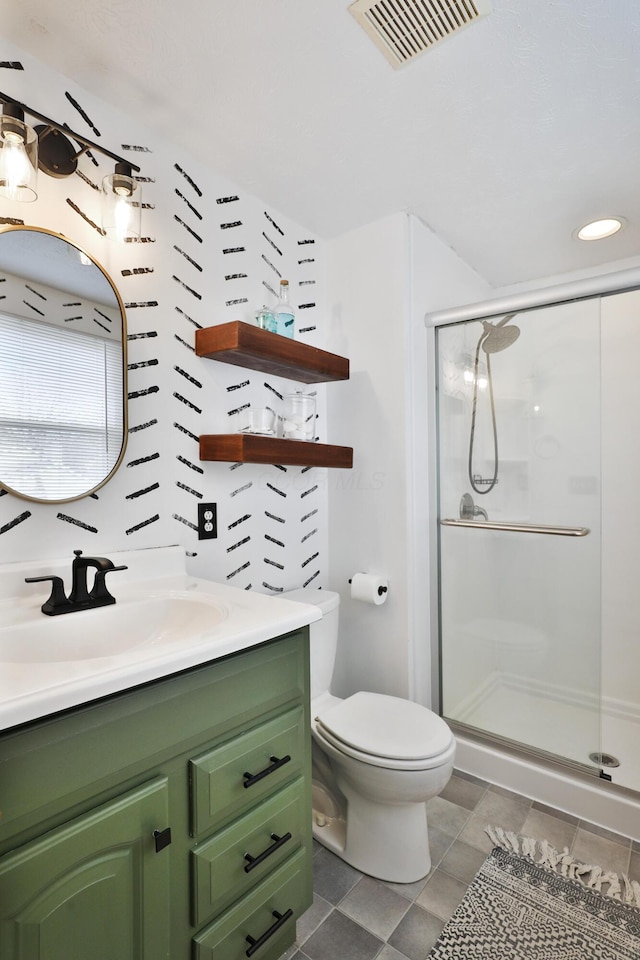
518 408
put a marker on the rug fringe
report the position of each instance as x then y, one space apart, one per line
620 887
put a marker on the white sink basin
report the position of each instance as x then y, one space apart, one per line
163 621
111 631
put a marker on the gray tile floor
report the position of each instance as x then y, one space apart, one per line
354 917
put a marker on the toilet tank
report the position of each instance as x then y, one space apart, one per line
323 635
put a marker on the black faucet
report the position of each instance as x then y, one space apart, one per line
80 598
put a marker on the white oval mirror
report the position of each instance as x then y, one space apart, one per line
63 363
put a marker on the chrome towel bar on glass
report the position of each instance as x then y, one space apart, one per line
519 527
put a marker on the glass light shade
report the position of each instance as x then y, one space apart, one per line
121 205
18 160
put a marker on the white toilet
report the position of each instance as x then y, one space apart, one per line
376 761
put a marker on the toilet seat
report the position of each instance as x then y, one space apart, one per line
386 732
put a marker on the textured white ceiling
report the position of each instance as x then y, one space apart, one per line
503 139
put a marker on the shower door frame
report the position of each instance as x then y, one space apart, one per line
587 289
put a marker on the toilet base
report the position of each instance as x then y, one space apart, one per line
330 833
389 841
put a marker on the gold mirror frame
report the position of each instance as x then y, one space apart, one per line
120 306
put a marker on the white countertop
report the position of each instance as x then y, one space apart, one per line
163 621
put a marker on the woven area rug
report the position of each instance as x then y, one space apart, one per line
529 901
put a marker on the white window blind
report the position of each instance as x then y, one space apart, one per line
61 415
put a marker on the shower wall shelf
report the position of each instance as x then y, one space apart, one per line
244 345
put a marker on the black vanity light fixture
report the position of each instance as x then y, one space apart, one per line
47 146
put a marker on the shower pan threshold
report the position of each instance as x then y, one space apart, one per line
570 722
549 781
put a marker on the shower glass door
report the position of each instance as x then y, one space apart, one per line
519 512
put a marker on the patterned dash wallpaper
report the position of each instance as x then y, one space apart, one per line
209 253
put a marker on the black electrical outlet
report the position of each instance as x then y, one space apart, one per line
207 521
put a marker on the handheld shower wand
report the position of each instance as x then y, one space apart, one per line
494 338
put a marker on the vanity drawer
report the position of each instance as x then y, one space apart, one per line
270 834
231 778
79 755
267 916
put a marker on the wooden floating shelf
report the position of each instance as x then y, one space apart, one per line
248 448
245 345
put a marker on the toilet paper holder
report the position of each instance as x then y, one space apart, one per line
381 590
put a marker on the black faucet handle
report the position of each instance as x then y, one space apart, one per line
57 602
99 593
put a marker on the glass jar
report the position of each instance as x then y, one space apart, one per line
265 319
260 421
299 416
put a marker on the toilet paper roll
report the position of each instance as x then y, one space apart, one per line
369 588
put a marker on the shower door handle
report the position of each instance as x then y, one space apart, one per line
554 531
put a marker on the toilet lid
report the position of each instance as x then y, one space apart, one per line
384 726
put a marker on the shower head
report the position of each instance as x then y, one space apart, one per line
497 336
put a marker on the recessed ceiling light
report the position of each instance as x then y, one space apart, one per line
599 229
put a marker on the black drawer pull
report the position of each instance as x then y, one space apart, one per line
256 861
281 918
251 778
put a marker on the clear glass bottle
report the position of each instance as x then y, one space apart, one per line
283 312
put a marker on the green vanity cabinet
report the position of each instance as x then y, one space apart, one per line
91 888
168 822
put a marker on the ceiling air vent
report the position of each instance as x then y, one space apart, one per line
404 29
